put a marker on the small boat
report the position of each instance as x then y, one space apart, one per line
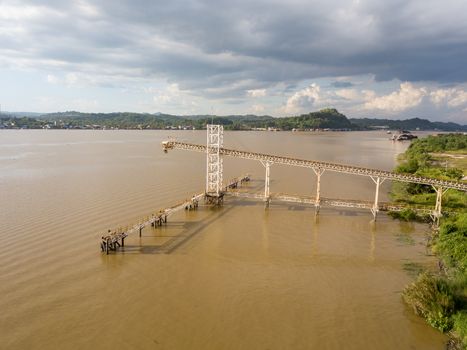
404 136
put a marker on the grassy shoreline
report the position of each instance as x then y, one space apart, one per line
440 297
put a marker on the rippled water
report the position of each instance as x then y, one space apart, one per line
240 277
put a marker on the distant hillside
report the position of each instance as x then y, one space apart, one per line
408 124
234 118
328 118
20 114
324 119
122 120
130 120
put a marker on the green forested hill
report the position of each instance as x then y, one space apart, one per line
324 119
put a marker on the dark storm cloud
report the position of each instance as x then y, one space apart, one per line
206 45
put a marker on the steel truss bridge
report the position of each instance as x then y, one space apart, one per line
214 152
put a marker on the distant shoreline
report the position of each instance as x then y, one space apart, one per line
323 120
262 131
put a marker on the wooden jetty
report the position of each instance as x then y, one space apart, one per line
114 239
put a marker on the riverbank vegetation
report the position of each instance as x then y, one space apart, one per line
420 159
439 296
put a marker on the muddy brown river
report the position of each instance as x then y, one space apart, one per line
239 277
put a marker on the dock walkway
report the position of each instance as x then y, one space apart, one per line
114 239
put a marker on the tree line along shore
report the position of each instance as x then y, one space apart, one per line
439 296
325 119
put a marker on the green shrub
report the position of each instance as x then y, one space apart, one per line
460 326
408 215
431 298
404 214
451 242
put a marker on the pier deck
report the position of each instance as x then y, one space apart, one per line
114 239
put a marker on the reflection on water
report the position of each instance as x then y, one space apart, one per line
229 278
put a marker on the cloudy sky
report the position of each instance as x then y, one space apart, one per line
394 59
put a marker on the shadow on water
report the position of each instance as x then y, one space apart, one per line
190 230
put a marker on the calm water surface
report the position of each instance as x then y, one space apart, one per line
240 277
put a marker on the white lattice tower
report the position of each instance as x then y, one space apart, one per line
214 170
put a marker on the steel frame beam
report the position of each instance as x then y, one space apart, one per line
214 171
340 168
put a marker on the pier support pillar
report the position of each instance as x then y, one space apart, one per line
436 215
375 208
267 165
318 172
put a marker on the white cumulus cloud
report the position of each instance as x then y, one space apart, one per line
86 8
348 94
451 97
71 79
303 99
256 93
12 12
172 95
52 79
258 108
408 96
